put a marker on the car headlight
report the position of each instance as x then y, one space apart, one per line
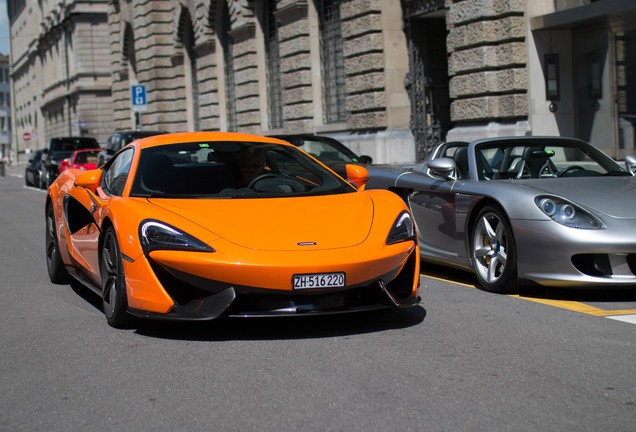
158 235
566 213
403 229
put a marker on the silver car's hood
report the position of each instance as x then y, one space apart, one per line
613 196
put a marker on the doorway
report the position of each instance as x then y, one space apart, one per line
427 80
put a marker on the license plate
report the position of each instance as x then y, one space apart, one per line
319 280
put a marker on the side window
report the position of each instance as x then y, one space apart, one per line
115 176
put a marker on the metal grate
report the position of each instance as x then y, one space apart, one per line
272 52
427 79
332 59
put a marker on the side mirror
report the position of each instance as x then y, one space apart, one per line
89 179
443 167
630 163
357 175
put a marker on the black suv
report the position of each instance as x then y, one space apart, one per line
58 150
118 140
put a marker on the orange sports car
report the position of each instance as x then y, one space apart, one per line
199 225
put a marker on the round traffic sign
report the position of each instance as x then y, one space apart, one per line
26 136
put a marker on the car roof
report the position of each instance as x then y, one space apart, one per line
184 137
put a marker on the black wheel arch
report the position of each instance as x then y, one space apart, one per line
106 223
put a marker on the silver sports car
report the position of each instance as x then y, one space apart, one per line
545 210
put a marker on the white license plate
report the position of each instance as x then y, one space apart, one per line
319 280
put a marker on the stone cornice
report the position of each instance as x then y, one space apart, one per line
243 33
291 13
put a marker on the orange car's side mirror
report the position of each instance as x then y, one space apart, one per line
89 179
357 175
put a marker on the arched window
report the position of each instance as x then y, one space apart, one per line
228 63
190 71
332 60
272 51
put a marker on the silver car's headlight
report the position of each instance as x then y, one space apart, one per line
403 229
158 235
566 213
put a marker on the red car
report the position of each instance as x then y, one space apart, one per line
81 159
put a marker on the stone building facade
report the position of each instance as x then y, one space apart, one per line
60 66
5 108
389 78
266 67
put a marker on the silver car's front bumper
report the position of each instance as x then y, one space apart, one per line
552 254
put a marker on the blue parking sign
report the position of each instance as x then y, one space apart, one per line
138 96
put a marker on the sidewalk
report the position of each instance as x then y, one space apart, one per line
14 170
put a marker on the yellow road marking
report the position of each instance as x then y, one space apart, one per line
447 280
563 304
578 306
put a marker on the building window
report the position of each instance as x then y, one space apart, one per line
228 63
190 70
272 52
14 7
332 60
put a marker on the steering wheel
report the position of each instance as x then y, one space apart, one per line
571 168
261 177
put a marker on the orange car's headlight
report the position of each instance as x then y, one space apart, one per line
403 229
158 235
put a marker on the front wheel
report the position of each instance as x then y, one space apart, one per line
113 282
493 251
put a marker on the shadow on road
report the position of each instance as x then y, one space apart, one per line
584 295
292 327
279 328
600 294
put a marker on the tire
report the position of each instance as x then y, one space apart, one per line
114 297
493 251
54 263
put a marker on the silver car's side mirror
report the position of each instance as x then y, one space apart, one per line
443 167
630 163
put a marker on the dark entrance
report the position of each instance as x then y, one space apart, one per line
427 80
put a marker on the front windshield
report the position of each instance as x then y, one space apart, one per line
228 169
533 159
88 156
69 145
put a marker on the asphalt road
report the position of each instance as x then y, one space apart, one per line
466 360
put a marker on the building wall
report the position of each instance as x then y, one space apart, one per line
374 49
60 62
5 108
488 58
76 61
25 74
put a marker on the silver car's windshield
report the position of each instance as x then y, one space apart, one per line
537 159
228 169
